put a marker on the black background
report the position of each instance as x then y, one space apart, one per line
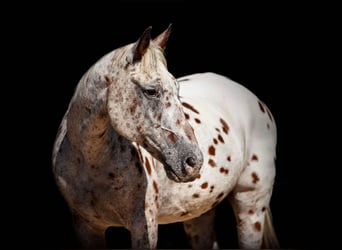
277 51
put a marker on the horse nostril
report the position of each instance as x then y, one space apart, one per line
191 162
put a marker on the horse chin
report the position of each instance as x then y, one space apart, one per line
171 174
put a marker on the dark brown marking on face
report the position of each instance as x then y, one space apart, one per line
155 186
204 185
220 138
255 177
195 195
211 162
257 226
250 211
187 116
229 158
212 188
224 170
172 137
111 175
197 120
215 141
254 157
225 126
148 166
261 106
211 150
188 106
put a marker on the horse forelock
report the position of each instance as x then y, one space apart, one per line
153 59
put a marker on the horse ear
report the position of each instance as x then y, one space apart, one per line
161 40
141 46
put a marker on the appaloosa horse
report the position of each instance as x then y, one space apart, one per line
137 148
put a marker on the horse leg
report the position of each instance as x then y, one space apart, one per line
200 231
88 235
144 224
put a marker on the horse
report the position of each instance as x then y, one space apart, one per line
137 148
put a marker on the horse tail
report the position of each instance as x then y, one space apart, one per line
269 239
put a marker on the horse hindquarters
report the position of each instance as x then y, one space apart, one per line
250 201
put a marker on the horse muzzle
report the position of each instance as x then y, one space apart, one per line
184 164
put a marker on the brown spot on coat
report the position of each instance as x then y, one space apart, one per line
250 211
211 162
155 186
211 150
257 226
255 177
225 126
215 203
220 196
186 116
261 106
269 114
254 157
215 141
224 170
263 209
197 120
204 185
220 138
195 195
229 158
148 166
212 188
188 106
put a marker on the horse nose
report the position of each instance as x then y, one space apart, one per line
190 161
192 164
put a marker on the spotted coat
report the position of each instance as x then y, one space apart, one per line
216 141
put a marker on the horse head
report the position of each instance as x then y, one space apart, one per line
144 106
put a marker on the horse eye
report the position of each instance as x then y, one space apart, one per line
151 92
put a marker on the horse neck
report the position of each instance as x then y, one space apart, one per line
87 119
